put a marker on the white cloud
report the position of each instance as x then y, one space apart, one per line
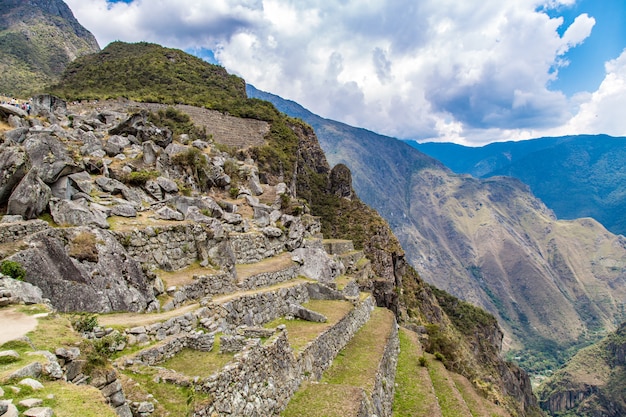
603 110
471 71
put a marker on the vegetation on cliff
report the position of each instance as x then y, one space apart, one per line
37 41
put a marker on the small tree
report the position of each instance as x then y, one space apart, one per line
13 270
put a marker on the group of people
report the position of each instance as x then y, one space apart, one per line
24 105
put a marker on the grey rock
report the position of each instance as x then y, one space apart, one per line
11 411
167 185
50 156
255 184
150 152
316 264
74 213
31 196
82 181
123 411
21 292
32 370
7 110
16 135
124 210
116 145
167 213
113 281
32 383
304 313
39 412
47 105
31 402
11 218
154 189
139 126
272 232
9 356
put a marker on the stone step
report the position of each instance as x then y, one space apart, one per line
267 272
367 364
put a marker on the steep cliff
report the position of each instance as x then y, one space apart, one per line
592 382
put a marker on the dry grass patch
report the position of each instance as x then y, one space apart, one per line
323 400
274 264
478 405
184 276
301 332
358 362
142 319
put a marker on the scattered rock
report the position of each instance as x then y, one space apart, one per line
32 383
39 412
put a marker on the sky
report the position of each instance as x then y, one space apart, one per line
470 72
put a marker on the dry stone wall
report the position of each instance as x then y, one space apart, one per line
263 377
10 230
384 387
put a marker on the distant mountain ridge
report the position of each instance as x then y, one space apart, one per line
576 176
38 38
552 284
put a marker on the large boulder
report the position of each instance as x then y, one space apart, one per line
20 292
14 164
316 264
46 105
76 213
30 198
50 156
140 127
83 269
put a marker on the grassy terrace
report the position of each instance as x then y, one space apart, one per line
411 398
193 363
450 400
351 375
274 264
301 332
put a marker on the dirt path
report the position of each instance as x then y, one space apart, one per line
14 324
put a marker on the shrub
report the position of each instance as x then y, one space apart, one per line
440 357
140 178
84 322
13 270
422 360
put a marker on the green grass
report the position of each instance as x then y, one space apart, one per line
413 395
195 363
357 363
67 399
173 400
450 400
301 332
323 400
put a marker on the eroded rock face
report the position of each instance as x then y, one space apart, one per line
139 126
30 198
83 269
14 164
50 156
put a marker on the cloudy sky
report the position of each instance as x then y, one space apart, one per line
471 71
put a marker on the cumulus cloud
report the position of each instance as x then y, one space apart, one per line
433 69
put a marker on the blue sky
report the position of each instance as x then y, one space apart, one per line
470 72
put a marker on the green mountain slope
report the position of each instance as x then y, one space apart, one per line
592 383
576 176
38 38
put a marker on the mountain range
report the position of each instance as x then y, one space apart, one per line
555 285
576 176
